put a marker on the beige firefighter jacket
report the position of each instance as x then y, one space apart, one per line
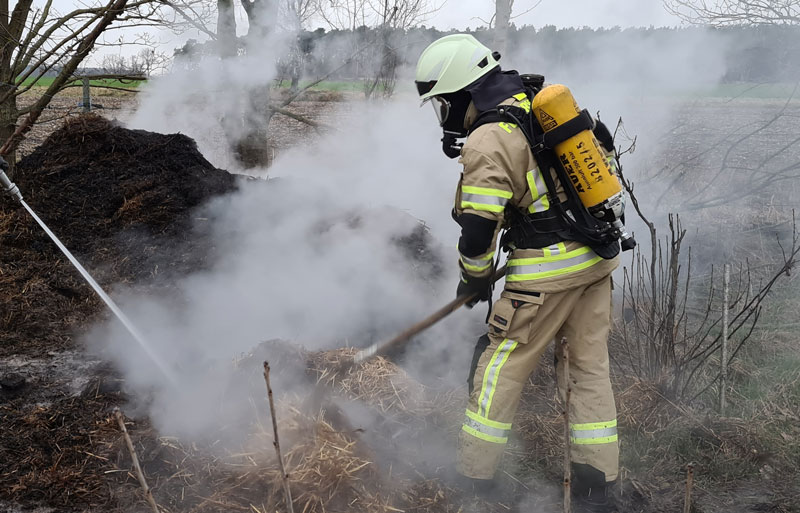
500 172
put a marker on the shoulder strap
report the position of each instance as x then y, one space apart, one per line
497 116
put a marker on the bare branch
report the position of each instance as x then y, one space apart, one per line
736 12
112 11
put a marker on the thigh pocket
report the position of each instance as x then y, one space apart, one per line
513 314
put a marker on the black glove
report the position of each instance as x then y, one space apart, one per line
469 285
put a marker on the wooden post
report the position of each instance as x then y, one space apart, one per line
687 500
139 474
87 95
724 359
277 444
567 431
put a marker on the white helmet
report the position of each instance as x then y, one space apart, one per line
452 63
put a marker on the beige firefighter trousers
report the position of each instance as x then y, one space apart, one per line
520 328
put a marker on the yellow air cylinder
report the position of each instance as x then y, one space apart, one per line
581 155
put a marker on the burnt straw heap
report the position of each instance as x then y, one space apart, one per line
123 201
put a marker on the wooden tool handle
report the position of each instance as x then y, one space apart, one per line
378 348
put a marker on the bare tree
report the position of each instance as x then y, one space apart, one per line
148 62
671 328
248 128
386 60
145 63
181 16
343 14
37 42
115 64
295 14
400 14
736 12
502 19
379 64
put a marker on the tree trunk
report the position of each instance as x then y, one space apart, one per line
226 29
385 75
8 108
296 70
8 126
502 19
297 57
251 148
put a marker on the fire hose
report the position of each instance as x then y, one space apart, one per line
12 190
404 337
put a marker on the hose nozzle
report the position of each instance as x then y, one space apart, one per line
8 186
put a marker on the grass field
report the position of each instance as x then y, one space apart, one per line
335 86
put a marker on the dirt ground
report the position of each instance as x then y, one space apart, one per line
61 448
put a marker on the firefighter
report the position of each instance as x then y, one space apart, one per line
555 287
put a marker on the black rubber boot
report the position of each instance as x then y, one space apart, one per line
591 493
486 489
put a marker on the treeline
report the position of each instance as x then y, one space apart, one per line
765 54
747 54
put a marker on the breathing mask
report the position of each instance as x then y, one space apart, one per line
451 110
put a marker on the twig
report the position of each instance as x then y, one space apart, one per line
302 90
298 117
687 500
724 359
567 438
147 493
276 443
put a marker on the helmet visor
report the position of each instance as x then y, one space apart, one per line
424 88
442 108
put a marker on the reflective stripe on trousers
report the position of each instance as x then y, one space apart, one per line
486 429
528 269
594 433
492 374
484 198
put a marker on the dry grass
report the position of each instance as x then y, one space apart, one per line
378 382
331 465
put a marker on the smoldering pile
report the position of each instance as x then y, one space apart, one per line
124 201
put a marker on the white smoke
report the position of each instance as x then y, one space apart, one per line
309 255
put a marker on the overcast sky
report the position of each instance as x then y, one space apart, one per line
460 14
